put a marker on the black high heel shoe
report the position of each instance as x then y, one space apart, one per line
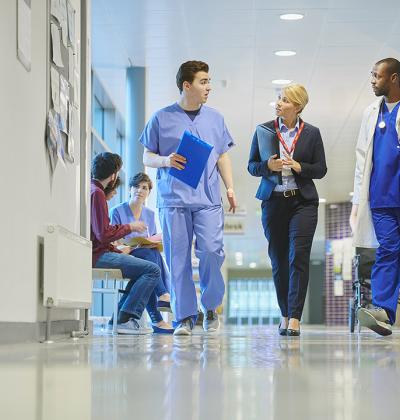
293 333
282 331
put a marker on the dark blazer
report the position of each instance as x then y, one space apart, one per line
309 152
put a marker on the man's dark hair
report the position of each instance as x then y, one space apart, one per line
187 72
138 178
392 66
110 188
105 164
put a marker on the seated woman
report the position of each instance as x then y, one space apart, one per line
133 210
158 324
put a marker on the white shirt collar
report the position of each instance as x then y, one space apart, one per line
281 124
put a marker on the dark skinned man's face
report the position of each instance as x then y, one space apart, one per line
380 79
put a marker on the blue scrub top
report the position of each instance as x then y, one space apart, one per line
122 214
384 187
162 135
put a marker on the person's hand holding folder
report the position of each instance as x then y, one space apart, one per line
275 164
195 151
176 161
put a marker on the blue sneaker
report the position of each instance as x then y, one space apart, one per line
158 330
185 327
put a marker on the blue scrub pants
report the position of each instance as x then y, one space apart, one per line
154 256
385 274
178 226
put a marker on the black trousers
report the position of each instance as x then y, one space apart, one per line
289 226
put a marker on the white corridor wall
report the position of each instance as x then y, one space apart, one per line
30 196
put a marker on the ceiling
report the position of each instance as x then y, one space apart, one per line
337 43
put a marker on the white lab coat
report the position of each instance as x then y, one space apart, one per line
364 234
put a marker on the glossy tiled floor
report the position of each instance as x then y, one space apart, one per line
240 374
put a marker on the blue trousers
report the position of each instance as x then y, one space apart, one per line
385 274
139 293
178 226
155 257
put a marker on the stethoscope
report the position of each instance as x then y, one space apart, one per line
381 123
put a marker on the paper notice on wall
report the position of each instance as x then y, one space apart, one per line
55 9
52 140
76 54
63 19
70 141
55 144
71 65
56 45
76 134
76 88
348 254
64 98
55 88
71 23
337 252
24 33
338 289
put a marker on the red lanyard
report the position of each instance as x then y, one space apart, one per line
283 141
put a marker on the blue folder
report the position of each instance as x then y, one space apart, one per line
196 152
267 143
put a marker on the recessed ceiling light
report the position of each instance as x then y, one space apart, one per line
322 200
253 265
272 104
285 53
291 16
281 81
351 194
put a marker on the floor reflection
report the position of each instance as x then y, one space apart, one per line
240 373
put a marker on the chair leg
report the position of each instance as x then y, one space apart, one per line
115 311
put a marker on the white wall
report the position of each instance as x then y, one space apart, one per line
30 197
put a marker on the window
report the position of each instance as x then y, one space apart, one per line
98 117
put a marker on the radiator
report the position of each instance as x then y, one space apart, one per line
67 269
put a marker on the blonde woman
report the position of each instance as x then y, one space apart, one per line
288 153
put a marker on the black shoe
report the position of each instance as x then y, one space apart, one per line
200 317
293 333
282 331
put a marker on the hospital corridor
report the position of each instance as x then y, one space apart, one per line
200 210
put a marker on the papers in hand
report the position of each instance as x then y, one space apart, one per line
196 151
154 241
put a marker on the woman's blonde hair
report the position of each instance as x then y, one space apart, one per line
296 94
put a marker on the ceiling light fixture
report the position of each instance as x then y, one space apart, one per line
272 104
285 53
291 16
281 81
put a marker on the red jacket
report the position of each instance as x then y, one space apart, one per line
102 233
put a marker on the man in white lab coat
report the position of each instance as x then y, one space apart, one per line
375 215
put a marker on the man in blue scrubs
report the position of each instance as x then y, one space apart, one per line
185 211
378 161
